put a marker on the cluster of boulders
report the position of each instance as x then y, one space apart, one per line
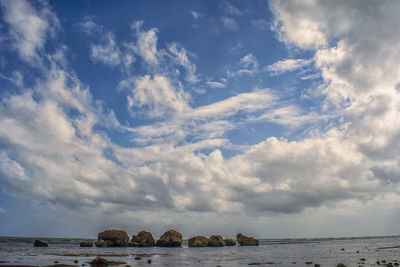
171 238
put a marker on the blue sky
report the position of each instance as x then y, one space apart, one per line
278 117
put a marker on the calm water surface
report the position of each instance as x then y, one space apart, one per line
276 252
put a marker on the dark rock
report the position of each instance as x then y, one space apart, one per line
138 258
143 239
340 265
308 262
76 261
128 265
101 243
86 244
389 264
246 240
198 241
149 261
170 238
216 241
98 262
229 242
40 243
114 238
56 262
254 263
317 265
362 259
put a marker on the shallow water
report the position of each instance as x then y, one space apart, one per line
276 252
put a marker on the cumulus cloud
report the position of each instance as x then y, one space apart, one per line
54 150
15 78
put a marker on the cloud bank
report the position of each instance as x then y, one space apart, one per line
57 148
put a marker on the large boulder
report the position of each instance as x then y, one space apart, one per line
229 242
170 238
40 243
198 241
216 241
143 239
114 238
246 240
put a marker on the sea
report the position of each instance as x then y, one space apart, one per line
356 251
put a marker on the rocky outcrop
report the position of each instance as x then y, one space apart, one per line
216 241
198 241
246 240
229 242
114 238
170 238
86 244
143 239
40 243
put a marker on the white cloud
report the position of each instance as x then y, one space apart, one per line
250 64
16 78
230 9
159 96
2 211
146 45
196 15
107 53
229 23
29 27
88 26
179 56
215 84
288 65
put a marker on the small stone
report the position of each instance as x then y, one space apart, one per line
308 262
138 258
340 265
254 263
149 261
128 265
76 261
317 265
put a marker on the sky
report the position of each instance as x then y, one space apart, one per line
276 119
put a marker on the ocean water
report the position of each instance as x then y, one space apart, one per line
270 252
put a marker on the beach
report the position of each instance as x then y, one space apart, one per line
270 252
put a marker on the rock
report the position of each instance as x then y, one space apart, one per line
340 265
76 261
170 238
317 265
149 261
40 243
254 263
246 240
101 243
104 262
308 262
216 241
114 238
229 242
138 258
86 244
128 265
198 241
143 239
